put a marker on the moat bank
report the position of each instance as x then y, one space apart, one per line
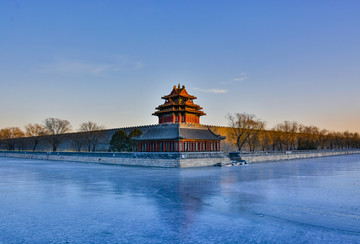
169 159
263 157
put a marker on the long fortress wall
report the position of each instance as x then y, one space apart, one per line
68 140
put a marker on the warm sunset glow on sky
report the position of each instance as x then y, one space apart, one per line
111 61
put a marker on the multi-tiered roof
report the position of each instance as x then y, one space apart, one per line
179 108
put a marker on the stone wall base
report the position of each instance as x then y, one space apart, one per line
284 156
175 160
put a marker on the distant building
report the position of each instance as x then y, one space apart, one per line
179 127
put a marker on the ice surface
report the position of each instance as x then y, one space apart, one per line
299 201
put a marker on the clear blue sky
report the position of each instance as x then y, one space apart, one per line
111 61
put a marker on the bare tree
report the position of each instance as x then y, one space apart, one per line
56 127
253 139
93 134
308 138
243 126
9 134
267 140
288 133
347 139
322 138
78 141
35 131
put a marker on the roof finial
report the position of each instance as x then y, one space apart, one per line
179 86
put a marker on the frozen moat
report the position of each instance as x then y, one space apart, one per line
299 201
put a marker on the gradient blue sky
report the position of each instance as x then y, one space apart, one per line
111 61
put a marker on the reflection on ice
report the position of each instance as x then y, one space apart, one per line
306 200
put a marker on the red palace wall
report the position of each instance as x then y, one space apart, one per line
176 146
188 118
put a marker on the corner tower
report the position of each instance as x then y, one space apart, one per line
179 108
